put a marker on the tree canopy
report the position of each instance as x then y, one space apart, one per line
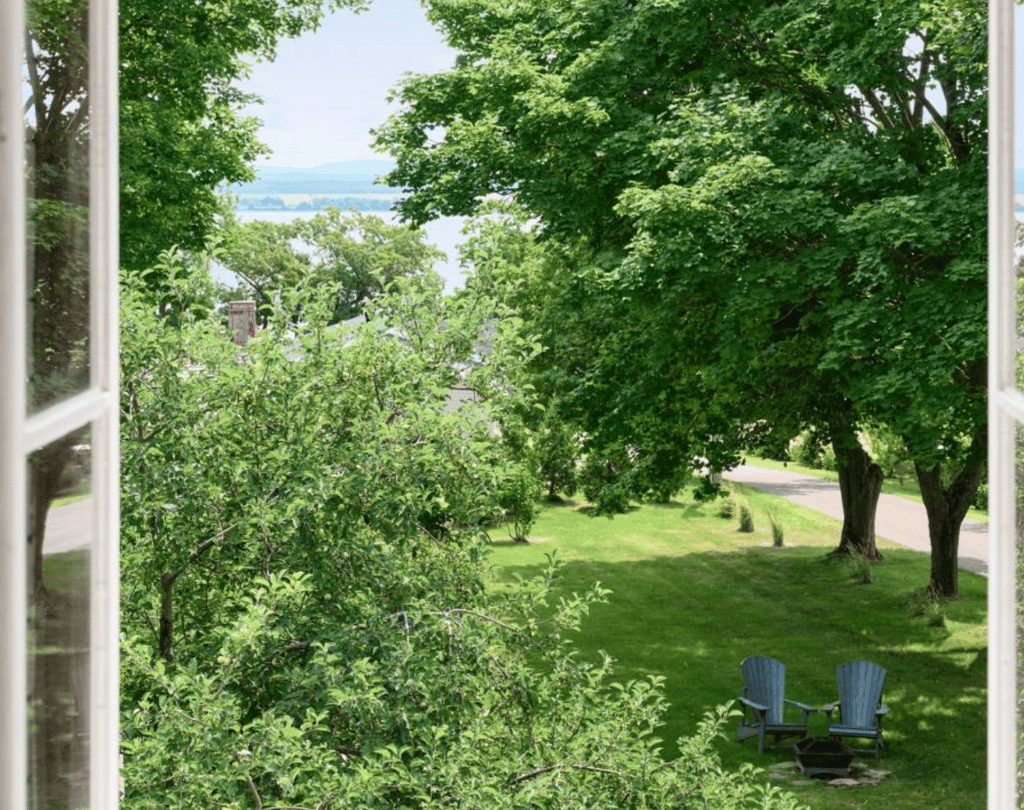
182 131
306 614
790 199
355 255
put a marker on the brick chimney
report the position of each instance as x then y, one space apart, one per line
242 320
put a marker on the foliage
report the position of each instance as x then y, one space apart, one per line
182 132
981 497
360 255
772 202
889 451
727 508
355 255
807 449
304 613
518 495
778 530
746 519
601 482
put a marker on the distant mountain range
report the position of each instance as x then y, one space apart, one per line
345 168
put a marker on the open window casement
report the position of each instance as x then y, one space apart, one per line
1006 404
58 404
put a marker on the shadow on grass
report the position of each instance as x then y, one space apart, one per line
592 511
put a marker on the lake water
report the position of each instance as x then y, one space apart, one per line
445 233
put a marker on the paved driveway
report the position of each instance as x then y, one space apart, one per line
897 519
68 527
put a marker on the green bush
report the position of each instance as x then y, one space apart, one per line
518 495
888 451
806 449
746 520
727 508
332 642
778 532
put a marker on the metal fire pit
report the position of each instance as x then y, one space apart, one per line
821 757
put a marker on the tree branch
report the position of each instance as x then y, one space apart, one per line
34 80
526 777
255 793
876 106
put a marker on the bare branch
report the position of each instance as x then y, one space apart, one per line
876 107
526 777
255 793
483 616
34 80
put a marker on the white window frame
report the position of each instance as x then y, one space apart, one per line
1006 411
97 407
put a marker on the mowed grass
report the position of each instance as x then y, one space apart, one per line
692 596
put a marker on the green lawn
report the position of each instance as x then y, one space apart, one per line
691 597
907 488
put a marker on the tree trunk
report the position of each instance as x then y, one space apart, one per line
946 508
860 485
58 652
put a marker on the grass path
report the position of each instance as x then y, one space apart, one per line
691 597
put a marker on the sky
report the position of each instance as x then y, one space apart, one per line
326 90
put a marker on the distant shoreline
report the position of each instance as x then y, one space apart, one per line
303 201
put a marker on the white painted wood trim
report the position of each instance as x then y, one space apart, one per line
13 519
104 679
1003 407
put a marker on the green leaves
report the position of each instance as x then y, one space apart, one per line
355 257
182 134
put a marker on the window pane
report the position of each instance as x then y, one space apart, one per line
1019 505
59 524
57 161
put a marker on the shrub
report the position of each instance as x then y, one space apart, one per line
827 459
888 451
727 508
746 520
981 497
518 493
602 481
807 449
924 604
778 532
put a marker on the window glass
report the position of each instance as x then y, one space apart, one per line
55 79
1019 504
60 520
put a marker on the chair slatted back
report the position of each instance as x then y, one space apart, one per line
766 683
860 692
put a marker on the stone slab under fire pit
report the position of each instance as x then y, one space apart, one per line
860 776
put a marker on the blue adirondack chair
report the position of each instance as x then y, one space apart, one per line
764 701
860 703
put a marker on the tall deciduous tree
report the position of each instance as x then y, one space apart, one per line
796 189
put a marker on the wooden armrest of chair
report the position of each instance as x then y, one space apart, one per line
756 706
883 709
801 706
